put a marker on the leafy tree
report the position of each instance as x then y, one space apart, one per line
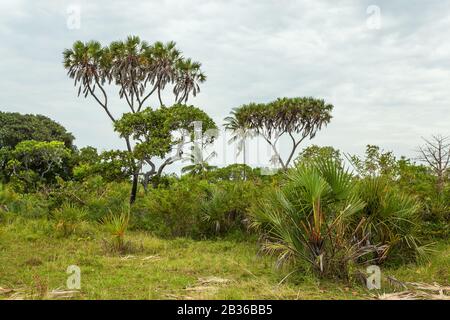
112 165
88 155
314 153
376 162
138 70
299 118
16 127
233 172
161 131
33 162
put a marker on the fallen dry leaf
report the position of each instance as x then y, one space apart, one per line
5 290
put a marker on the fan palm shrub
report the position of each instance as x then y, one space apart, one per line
391 218
310 218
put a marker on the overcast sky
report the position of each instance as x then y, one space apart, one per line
388 78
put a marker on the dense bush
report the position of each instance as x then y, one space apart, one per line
32 164
195 208
95 195
16 127
225 207
414 179
24 205
172 211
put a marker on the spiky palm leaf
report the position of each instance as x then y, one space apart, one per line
309 218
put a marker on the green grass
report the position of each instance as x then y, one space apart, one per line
32 260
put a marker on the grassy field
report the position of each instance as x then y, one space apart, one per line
33 264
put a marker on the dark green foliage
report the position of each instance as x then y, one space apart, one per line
233 172
16 127
160 131
206 209
34 163
153 128
173 211
112 165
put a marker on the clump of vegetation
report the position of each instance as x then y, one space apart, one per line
68 219
95 194
321 217
173 211
117 225
391 218
225 208
308 220
14 204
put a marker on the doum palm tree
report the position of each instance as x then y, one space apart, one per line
240 134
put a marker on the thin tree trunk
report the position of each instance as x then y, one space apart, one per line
134 188
159 97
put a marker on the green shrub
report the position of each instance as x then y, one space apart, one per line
224 210
191 207
95 195
68 218
324 216
309 220
172 212
31 205
392 219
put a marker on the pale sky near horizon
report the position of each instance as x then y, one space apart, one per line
389 85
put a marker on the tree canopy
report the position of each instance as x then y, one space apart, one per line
158 132
32 162
139 70
299 118
16 127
